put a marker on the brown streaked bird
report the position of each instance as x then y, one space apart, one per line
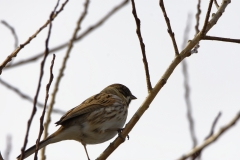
96 120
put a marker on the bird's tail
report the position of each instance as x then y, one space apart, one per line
31 150
59 135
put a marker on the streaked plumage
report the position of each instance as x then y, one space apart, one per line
96 120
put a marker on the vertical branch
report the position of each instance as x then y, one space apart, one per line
1 158
61 73
44 109
138 31
49 83
170 32
207 17
37 92
187 87
198 17
8 148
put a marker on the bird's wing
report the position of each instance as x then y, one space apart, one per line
92 103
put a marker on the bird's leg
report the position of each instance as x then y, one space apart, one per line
85 148
120 134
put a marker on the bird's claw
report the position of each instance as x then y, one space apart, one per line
120 134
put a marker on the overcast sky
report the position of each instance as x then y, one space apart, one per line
112 54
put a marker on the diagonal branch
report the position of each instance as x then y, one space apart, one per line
26 97
171 33
78 38
162 81
213 138
216 4
138 31
15 52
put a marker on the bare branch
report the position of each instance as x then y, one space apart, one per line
216 4
78 38
41 128
186 85
213 138
26 97
171 33
207 17
138 31
14 53
45 104
194 42
52 16
162 81
13 33
213 125
198 16
221 39
195 50
8 148
198 154
61 72
1 158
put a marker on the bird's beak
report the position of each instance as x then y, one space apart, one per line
133 97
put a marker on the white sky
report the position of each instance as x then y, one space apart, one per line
111 54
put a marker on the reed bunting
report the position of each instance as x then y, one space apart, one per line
96 120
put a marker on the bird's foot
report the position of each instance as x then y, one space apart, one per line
120 134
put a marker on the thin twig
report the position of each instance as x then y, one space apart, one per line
52 16
49 83
13 33
186 85
1 158
26 97
79 38
216 4
198 154
195 50
213 138
221 39
61 72
213 125
15 52
162 81
198 17
171 33
207 18
138 31
8 148
45 104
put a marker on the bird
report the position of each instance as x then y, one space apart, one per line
96 120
